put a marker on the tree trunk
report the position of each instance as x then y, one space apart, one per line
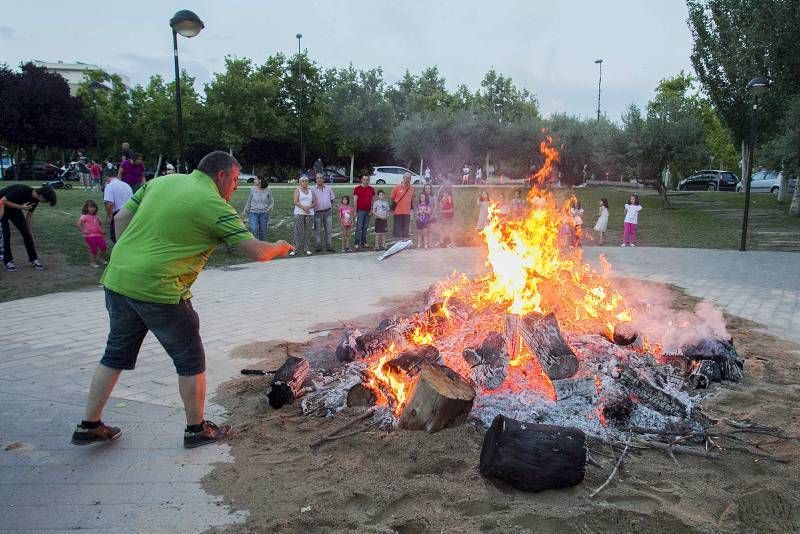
794 207
288 382
784 186
543 337
352 164
533 457
439 397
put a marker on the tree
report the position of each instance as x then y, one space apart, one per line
783 152
38 112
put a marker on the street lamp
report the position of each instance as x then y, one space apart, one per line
599 81
187 24
757 87
95 86
300 104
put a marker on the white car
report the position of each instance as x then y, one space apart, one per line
768 182
392 176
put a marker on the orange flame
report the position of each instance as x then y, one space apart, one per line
395 382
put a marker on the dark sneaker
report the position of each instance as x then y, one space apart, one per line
87 436
211 433
37 264
10 267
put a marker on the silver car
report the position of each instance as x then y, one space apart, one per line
767 182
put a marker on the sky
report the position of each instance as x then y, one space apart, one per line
548 48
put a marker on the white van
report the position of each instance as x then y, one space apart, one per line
391 175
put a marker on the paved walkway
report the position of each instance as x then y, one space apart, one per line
146 482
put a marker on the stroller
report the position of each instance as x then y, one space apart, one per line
68 172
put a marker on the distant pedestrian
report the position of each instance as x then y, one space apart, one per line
363 194
602 221
84 173
465 174
127 153
303 217
447 220
132 172
323 214
258 207
576 212
109 168
346 217
169 168
483 210
479 175
427 175
519 206
380 208
423 211
20 201
94 235
401 202
632 209
432 222
96 171
319 168
115 195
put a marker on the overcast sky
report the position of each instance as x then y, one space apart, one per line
547 47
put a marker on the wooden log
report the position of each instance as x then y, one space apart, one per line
616 405
533 457
438 397
379 340
287 383
361 395
722 351
704 373
488 361
571 387
346 349
511 332
542 335
410 361
624 335
651 395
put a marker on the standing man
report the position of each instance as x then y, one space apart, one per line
127 153
116 194
132 172
323 214
318 167
402 195
167 231
84 173
20 202
363 193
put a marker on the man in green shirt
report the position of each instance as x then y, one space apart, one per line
166 232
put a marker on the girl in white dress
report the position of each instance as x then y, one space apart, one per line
602 221
483 210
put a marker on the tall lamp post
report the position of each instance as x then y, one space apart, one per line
757 87
188 24
599 81
300 104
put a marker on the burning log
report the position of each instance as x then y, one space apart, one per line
439 397
386 335
722 351
511 323
651 395
347 348
705 372
617 404
533 457
543 337
361 395
287 383
489 361
410 361
624 335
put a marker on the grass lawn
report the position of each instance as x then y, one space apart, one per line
703 220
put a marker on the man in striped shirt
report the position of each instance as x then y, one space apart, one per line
165 234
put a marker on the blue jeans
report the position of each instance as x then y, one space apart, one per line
258 225
362 224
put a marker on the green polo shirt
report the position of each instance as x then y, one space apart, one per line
178 221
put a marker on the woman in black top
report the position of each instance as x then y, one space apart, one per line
20 201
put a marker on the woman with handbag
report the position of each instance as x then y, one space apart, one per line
401 204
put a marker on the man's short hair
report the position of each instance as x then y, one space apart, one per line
407 174
217 161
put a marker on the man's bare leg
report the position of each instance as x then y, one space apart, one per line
103 382
193 393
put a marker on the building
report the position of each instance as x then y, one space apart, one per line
74 73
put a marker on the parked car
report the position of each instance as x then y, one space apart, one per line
392 175
333 176
39 170
768 182
709 180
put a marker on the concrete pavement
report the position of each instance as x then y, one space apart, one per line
146 482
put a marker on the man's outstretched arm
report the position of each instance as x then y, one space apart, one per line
263 251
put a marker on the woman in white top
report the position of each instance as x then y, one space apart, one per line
632 209
303 217
602 221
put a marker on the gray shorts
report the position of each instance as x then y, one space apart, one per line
176 326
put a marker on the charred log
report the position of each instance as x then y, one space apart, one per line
617 404
489 361
651 395
624 335
379 340
543 337
721 351
287 383
347 348
704 373
439 397
511 324
568 387
410 361
533 457
361 395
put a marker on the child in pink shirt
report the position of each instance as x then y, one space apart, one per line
92 230
346 220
